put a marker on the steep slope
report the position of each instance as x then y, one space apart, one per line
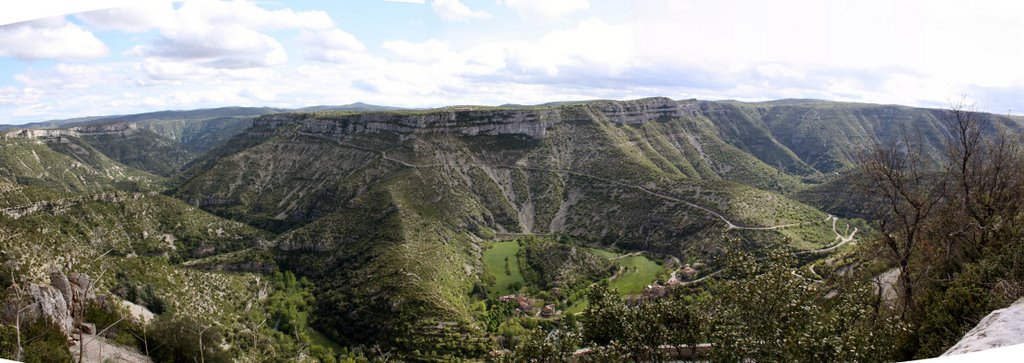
841 196
61 160
47 226
198 135
137 148
828 135
127 242
197 131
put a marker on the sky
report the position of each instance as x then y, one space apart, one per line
68 58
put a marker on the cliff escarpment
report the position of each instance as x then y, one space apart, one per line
471 121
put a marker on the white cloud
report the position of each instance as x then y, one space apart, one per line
457 11
950 40
432 50
223 46
41 9
137 17
870 50
775 70
592 47
421 2
52 38
216 34
161 14
548 9
334 45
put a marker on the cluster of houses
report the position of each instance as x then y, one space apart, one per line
656 290
525 306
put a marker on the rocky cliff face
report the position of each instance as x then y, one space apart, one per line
124 128
39 134
59 206
644 110
55 301
531 122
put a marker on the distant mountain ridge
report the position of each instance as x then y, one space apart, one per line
196 114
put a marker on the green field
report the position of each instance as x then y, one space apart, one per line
505 275
577 307
637 272
605 253
318 338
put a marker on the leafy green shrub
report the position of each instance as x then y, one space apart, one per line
769 312
290 304
140 294
182 339
8 341
542 347
557 264
44 343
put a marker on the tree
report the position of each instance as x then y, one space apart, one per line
19 308
911 191
768 312
184 339
988 174
637 332
545 347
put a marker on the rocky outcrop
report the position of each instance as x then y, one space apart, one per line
111 128
60 206
532 122
122 128
294 244
50 304
60 282
56 302
39 134
642 110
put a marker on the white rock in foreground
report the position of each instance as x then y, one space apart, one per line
1003 327
1009 354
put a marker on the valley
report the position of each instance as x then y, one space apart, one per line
435 234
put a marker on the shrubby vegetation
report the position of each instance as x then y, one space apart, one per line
290 305
560 263
142 294
761 309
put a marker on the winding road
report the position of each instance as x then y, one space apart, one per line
843 239
839 236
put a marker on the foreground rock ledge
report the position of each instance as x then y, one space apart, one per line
1003 327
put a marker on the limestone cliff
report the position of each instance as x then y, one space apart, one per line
470 121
